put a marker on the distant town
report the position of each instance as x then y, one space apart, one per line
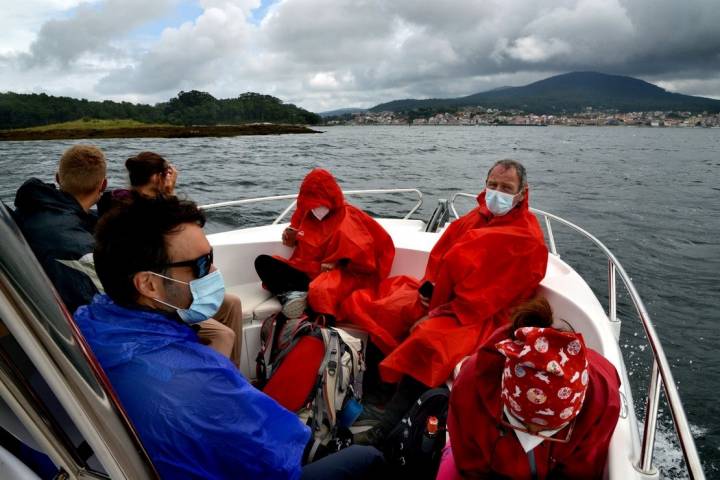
493 116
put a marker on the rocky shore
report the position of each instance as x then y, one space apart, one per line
152 131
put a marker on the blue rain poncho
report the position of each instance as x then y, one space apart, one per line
195 413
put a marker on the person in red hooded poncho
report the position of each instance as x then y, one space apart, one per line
338 249
533 403
484 264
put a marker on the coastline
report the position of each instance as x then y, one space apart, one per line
152 131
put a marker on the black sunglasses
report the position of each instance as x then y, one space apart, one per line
201 265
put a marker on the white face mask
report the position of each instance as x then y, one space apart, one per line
208 293
320 212
500 203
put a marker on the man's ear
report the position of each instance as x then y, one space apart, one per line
147 284
103 186
57 178
523 193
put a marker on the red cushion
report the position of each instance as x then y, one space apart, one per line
291 383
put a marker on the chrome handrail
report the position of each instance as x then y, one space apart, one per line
293 197
660 368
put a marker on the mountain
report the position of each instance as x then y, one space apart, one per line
342 111
188 108
570 92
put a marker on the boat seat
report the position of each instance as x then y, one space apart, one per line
397 224
257 303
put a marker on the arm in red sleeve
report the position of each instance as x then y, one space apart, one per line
362 244
449 238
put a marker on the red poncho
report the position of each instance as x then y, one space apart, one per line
362 250
482 266
481 450
480 217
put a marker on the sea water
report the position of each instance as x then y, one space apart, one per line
652 195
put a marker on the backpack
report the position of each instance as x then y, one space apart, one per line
409 449
315 371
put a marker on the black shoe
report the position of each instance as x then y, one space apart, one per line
374 437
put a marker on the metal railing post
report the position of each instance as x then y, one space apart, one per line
551 237
612 298
285 212
650 428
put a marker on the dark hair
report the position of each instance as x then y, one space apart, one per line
143 166
507 163
131 238
536 312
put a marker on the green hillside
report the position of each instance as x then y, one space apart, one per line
87 123
567 93
188 108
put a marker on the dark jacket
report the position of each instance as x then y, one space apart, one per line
57 228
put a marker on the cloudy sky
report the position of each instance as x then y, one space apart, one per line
326 54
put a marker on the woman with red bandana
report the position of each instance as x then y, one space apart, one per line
533 403
338 249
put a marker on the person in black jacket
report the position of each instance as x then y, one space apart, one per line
58 223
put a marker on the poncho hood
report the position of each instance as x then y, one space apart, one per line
319 189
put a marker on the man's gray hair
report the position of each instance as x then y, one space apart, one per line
507 163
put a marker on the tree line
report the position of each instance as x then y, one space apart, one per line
187 108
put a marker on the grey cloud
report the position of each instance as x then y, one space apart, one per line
91 28
191 56
704 87
328 33
323 54
411 45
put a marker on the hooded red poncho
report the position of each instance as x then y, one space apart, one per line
360 248
482 450
482 266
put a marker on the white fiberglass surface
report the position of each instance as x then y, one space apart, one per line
567 292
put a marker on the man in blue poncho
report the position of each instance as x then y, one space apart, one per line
194 412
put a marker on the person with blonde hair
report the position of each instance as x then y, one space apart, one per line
58 223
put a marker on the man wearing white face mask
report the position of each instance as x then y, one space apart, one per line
195 414
151 175
184 398
483 264
504 188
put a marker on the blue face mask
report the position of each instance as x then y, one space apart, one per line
499 203
207 292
